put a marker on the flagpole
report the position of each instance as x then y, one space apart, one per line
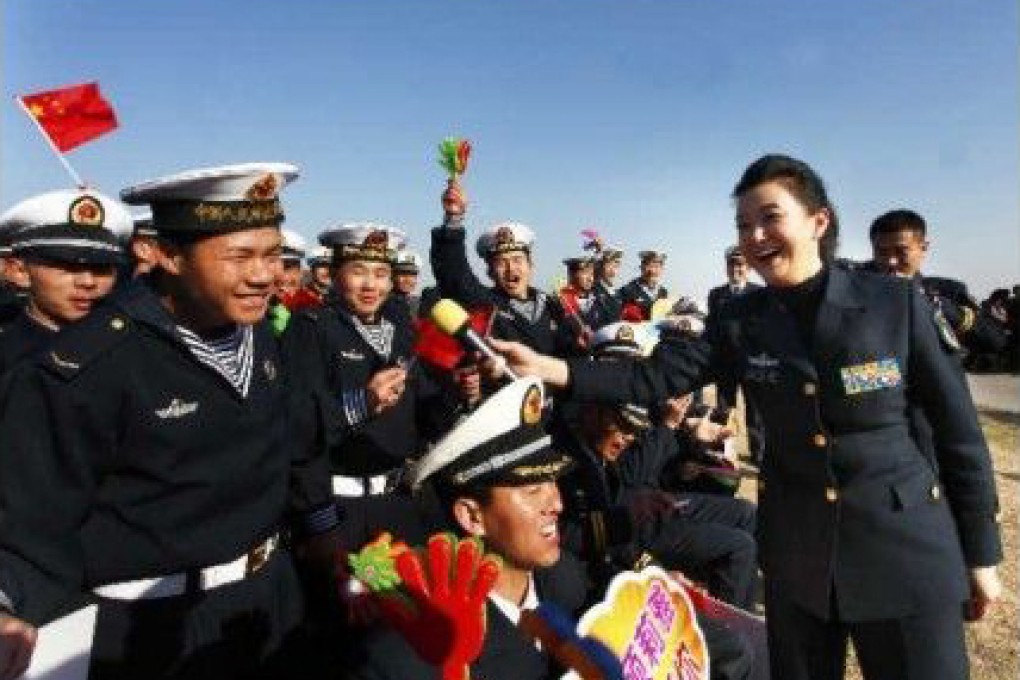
60 156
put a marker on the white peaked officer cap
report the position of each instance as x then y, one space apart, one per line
502 443
369 241
503 238
294 245
215 200
652 255
77 226
408 261
319 255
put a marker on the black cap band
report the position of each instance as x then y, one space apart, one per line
210 217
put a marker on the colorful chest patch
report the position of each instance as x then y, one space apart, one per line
874 375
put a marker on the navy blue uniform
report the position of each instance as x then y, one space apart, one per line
11 303
608 300
330 358
634 292
976 330
154 465
547 331
21 338
856 524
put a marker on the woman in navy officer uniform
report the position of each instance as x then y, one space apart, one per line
862 536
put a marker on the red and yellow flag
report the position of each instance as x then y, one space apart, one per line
71 115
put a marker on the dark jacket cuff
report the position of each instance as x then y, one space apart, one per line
979 538
319 521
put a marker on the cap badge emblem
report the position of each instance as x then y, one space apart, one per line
531 407
504 236
377 238
625 333
263 190
86 211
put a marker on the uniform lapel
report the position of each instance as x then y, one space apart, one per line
837 315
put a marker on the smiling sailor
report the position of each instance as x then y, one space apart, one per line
157 427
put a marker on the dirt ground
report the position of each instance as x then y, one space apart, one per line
993 643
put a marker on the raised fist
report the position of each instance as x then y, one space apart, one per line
454 200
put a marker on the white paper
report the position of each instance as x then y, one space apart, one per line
64 646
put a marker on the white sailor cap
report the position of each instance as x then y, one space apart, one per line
618 339
503 238
294 246
319 255
72 226
579 261
610 253
652 255
621 340
408 262
503 442
625 339
369 241
215 200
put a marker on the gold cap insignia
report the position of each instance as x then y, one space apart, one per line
625 333
504 236
376 239
263 190
86 211
531 407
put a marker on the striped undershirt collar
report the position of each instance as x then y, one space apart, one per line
230 355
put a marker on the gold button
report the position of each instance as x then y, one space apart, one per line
935 493
831 495
810 389
819 440
117 324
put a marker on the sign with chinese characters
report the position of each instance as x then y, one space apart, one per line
648 622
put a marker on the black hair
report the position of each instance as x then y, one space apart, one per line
803 183
896 221
447 494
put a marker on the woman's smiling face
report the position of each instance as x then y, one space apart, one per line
778 236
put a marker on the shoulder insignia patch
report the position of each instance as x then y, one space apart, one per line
946 333
72 351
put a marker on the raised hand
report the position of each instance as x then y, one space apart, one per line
454 200
523 361
443 615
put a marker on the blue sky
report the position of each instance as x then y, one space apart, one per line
635 117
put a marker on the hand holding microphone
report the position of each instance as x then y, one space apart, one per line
451 319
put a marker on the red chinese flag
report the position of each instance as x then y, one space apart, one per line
72 115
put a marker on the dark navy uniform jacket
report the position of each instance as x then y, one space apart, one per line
722 295
124 457
634 292
609 301
851 510
977 331
329 357
21 338
549 333
11 304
